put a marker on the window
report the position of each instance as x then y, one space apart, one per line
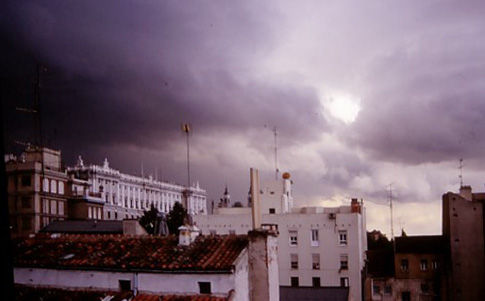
45 185
376 289
90 212
272 211
26 181
205 287
316 281
316 261
125 285
344 281
45 206
61 208
388 290
26 223
26 202
314 241
406 296
293 238
294 261
61 187
53 186
435 264
295 282
404 265
424 287
53 207
423 265
344 262
342 234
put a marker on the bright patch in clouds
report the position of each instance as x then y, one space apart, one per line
344 107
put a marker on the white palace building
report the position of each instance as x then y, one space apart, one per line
127 196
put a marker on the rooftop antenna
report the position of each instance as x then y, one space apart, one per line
390 207
461 172
275 133
35 110
392 220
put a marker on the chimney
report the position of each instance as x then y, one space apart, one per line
187 235
355 206
255 198
263 265
466 192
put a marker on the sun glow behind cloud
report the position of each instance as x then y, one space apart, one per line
344 107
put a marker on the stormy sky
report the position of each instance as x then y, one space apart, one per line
363 94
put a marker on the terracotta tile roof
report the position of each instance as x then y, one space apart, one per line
117 252
178 298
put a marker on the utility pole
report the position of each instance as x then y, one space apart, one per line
275 132
186 129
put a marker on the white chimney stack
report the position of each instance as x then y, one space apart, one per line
187 235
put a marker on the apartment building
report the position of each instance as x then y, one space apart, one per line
318 247
36 187
464 229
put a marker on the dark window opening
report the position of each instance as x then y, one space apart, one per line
388 290
344 282
406 296
424 287
26 181
423 265
125 285
404 265
316 281
26 202
295 282
272 211
27 223
205 287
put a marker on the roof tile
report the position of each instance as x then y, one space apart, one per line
118 252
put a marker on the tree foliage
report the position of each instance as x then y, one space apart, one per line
150 220
176 218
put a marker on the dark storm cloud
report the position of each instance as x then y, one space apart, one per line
129 74
426 99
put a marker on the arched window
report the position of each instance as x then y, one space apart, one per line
45 185
53 186
61 187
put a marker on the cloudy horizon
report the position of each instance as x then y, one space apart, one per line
363 94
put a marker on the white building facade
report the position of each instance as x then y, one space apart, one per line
316 246
127 196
